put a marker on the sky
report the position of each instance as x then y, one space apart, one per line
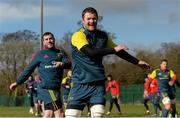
135 23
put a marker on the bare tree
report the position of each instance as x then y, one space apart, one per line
16 50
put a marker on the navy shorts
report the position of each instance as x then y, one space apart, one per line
169 94
155 98
81 94
50 96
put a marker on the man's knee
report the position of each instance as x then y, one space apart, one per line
72 113
58 113
97 110
48 113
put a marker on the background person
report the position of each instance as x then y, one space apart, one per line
165 79
50 62
155 97
30 90
146 94
66 84
114 88
39 102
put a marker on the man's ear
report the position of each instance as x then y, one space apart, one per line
82 20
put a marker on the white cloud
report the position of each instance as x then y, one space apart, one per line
114 6
30 9
21 10
14 9
54 11
8 11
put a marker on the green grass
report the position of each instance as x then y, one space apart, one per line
14 112
128 110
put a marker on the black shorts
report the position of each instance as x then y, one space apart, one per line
53 105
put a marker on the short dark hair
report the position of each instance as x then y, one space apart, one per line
109 75
164 60
90 10
48 33
31 77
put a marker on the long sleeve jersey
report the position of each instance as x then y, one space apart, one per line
163 77
153 87
45 61
113 86
89 67
146 89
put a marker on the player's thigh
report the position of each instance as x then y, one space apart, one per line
58 113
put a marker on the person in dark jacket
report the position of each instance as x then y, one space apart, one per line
50 62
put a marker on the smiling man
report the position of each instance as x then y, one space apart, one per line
50 62
89 45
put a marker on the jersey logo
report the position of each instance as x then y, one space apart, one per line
45 56
51 66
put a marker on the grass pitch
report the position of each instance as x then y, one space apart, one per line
128 110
